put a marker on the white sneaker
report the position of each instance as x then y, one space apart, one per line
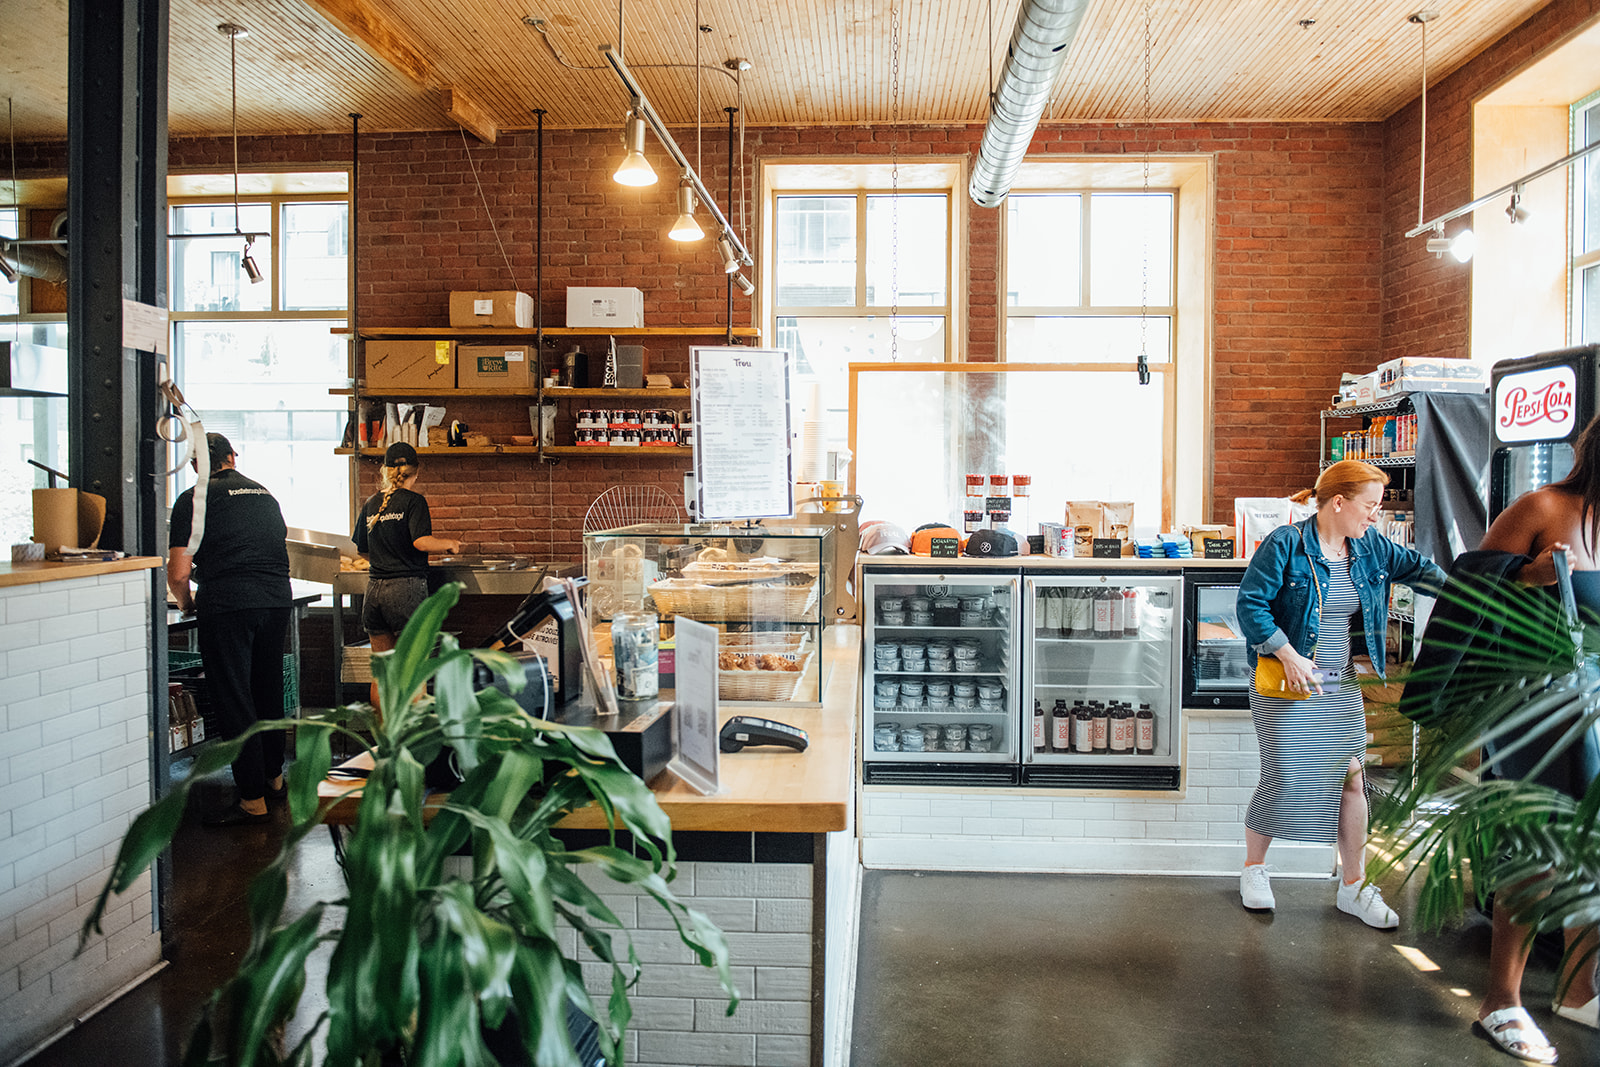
1255 888
1366 903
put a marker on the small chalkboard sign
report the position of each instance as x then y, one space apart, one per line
997 503
1107 548
948 547
1219 548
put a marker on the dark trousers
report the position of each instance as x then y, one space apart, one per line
242 652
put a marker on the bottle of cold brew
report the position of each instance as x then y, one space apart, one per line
1130 612
1061 727
1038 727
1121 730
1144 732
1082 729
1101 720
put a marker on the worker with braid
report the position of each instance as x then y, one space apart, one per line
395 532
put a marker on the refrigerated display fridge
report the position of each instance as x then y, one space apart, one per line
1099 677
1216 666
1541 404
939 678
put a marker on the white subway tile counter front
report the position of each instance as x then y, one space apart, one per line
74 771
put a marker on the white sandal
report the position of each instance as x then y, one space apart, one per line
1586 1015
1519 1029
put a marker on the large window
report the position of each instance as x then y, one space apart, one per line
31 427
1586 224
256 359
859 276
1090 282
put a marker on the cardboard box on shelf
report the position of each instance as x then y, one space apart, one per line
1408 375
411 365
501 307
1357 390
616 307
494 366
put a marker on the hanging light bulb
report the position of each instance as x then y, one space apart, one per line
730 258
634 168
685 228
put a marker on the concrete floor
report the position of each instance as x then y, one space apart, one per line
967 969
972 969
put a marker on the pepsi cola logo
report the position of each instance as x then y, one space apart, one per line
1519 407
1536 404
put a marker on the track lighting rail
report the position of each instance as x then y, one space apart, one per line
1509 187
703 195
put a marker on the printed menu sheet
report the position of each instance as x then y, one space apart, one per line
742 459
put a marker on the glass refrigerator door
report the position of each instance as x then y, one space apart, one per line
1217 668
1101 685
939 670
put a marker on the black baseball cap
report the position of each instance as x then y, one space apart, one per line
991 543
400 454
220 448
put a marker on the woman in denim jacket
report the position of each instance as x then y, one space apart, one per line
1306 584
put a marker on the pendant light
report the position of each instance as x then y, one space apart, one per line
685 228
247 263
634 169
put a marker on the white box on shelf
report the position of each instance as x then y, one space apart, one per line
617 307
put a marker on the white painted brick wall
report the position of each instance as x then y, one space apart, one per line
679 1011
1200 832
74 770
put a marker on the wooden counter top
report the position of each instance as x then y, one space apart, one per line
32 573
768 789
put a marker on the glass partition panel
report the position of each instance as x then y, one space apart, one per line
1083 434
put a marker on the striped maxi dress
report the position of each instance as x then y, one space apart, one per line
1306 745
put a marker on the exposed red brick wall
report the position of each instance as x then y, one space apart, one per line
1427 301
1296 267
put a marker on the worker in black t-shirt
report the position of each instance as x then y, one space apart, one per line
242 568
395 532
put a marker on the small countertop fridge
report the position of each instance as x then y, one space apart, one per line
1216 663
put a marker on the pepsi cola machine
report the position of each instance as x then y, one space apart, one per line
1541 405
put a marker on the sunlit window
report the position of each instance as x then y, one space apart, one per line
846 262
256 359
1586 223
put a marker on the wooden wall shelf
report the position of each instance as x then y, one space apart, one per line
375 333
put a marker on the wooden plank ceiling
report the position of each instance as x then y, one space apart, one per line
427 64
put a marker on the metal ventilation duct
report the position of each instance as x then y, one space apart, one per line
1038 48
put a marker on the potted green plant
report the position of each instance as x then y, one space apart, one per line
1533 688
428 957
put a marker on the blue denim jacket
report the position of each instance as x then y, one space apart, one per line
1277 605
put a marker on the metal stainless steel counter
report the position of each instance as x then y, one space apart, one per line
508 575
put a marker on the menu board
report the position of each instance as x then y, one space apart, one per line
742 458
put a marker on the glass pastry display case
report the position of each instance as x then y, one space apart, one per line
764 589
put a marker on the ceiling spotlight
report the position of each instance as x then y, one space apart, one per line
1516 212
730 258
685 228
634 168
248 262
746 286
1461 246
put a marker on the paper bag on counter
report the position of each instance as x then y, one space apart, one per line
67 517
1255 517
1119 519
1087 519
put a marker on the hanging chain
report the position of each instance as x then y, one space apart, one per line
894 181
1144 263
